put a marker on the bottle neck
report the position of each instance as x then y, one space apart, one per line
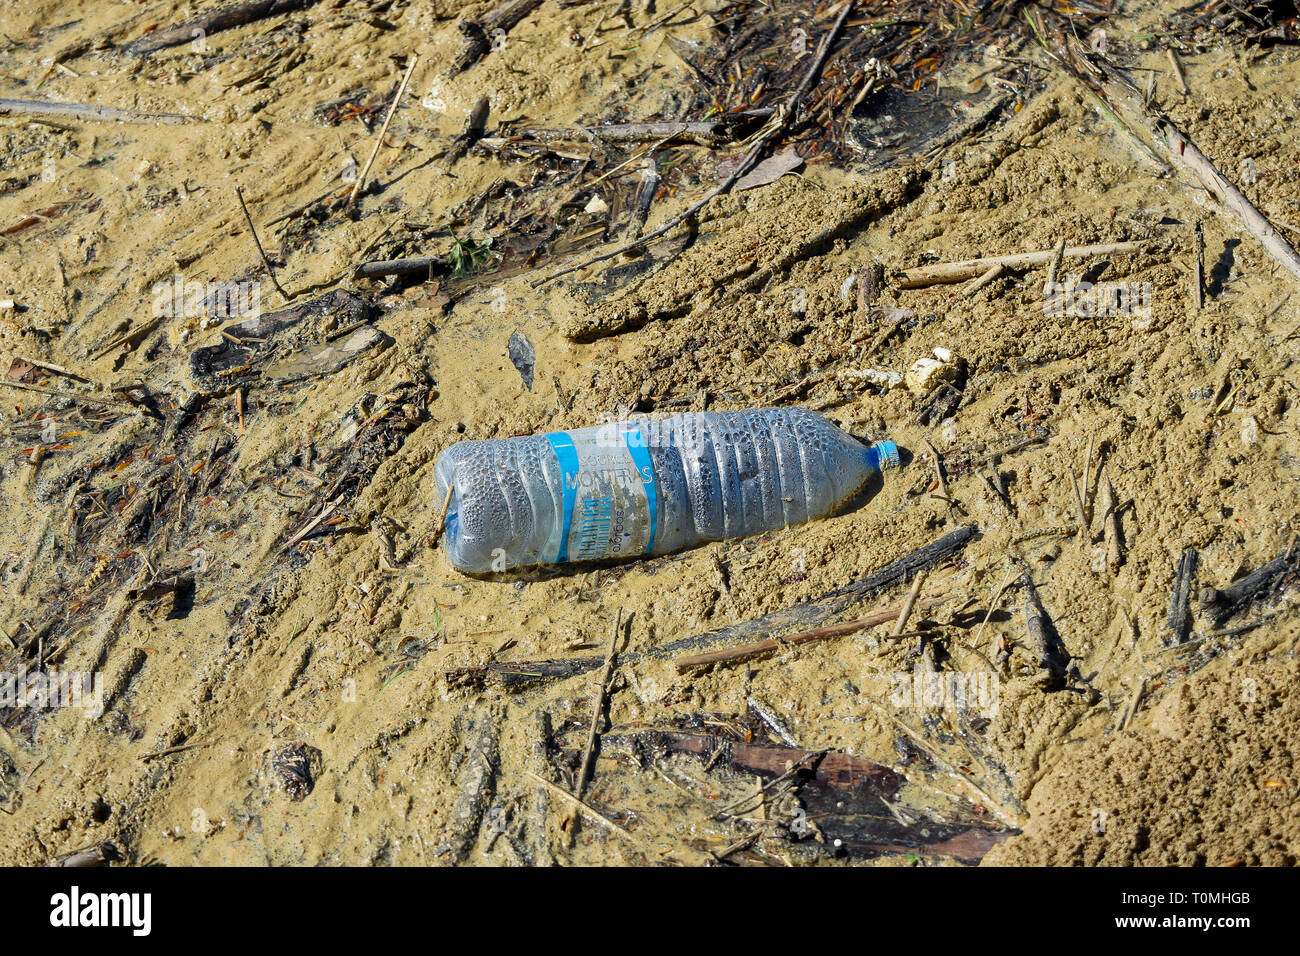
882 456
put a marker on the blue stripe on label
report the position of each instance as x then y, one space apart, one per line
562 444
641 459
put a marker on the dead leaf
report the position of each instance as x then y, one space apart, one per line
769 170
21 371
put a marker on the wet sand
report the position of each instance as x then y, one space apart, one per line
305 701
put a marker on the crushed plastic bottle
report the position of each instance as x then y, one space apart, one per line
646 486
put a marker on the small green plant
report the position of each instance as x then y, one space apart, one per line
467 258
398 674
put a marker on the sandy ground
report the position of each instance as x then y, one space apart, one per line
306 701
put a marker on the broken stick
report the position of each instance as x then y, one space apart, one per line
1114 536
480 34
383 131
1052 656
87 111
518 673
223 18
1180 620
746 652
602 695
949 272
239 191
1222 603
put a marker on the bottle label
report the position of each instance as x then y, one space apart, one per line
610 497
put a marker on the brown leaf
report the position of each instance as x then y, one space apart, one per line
21 371
769 170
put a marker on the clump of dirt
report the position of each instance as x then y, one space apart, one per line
224 517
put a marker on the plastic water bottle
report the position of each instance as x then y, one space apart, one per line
646 486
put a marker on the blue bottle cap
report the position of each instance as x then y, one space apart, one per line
886 455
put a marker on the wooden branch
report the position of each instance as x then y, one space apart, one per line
948 272
420 265
703 132
223 18
471 132
88 112
266 261
598 710
1183 152
65 393
834 602
1052 656
1222 603
748 651
1179 620
518 673
1198 266
478 33
1112 532
383 131
587 810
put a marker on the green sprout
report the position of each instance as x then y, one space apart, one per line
395 676
466 258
